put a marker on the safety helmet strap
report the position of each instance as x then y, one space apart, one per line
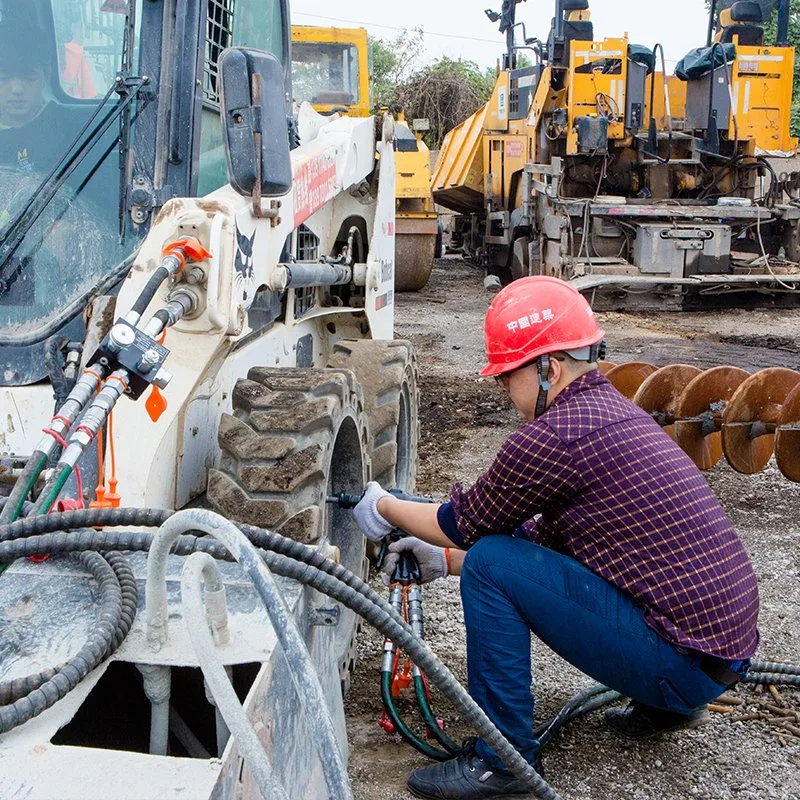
543 372
596 352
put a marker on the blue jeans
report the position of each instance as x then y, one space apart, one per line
511 587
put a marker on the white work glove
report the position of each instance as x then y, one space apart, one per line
432 560
372 524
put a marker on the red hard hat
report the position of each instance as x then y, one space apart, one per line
534 316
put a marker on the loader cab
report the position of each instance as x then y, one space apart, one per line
331 69
129 118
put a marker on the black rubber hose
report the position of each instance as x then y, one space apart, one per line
105 633
267 540
774 666
55 370
352 592
782 678
587 700
11 691
27 506
387 622
153 518
149 291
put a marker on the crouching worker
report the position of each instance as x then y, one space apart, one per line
593 531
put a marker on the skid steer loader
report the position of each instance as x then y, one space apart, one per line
196 310
331 70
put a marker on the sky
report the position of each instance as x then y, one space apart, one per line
460 29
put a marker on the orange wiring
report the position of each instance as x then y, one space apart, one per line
101 476
112 495
111 444
100 500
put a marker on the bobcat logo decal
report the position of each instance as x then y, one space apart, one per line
245 276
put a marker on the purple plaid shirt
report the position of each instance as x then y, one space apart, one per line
619 496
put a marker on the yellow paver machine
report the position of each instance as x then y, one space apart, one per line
331 70
647 190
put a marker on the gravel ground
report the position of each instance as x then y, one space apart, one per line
464 420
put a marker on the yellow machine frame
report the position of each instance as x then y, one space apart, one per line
524 179
761 84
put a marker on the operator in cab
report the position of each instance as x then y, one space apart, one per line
592 530
28 120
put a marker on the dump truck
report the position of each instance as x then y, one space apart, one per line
331 69
197 312
646 190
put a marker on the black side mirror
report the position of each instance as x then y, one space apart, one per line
255 123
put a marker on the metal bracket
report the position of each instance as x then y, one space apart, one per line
325 617
143 198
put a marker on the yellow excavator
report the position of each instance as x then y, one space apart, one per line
647 191
331 71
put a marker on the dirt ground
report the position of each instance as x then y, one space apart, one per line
464 420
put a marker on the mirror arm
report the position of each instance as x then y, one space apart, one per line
257 136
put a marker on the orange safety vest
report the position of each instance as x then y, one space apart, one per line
76 76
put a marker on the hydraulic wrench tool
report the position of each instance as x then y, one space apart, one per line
399 673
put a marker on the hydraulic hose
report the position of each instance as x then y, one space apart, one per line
421 692
22 488
153 518
117 608
55 371
349 590
147 294
587 700
400 726
776 667
61 423
52 489
357 597
157 682
218 682
13 690
302 670
785 678
26 506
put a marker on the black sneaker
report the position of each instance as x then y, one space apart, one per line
467 777
638 721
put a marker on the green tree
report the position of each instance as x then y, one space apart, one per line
384 66
392 63
445 93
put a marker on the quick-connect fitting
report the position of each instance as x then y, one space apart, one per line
76 401
95 418
183 301
174 258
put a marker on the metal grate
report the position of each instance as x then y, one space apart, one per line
513 99
307 244
219 35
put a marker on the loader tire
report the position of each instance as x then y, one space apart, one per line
387 374
295 437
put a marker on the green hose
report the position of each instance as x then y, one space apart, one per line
405 732
12 510
430 720
16 501
51 491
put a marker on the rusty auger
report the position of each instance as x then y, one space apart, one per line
727 411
